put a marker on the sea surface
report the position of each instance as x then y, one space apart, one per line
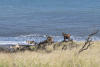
22 20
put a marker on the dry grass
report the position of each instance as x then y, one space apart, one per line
57 58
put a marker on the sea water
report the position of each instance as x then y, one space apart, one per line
22 20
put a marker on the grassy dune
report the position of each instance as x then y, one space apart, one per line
57 58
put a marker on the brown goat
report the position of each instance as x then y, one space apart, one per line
66 36
49 40
16 47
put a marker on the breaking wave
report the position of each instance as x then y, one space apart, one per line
38 38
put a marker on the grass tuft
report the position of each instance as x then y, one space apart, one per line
56 58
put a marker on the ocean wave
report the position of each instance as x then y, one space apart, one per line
38 38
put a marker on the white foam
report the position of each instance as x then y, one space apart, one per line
10 42
38 38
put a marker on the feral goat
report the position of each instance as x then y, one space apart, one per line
66 36
49 41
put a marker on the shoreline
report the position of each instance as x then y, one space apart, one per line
24 42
